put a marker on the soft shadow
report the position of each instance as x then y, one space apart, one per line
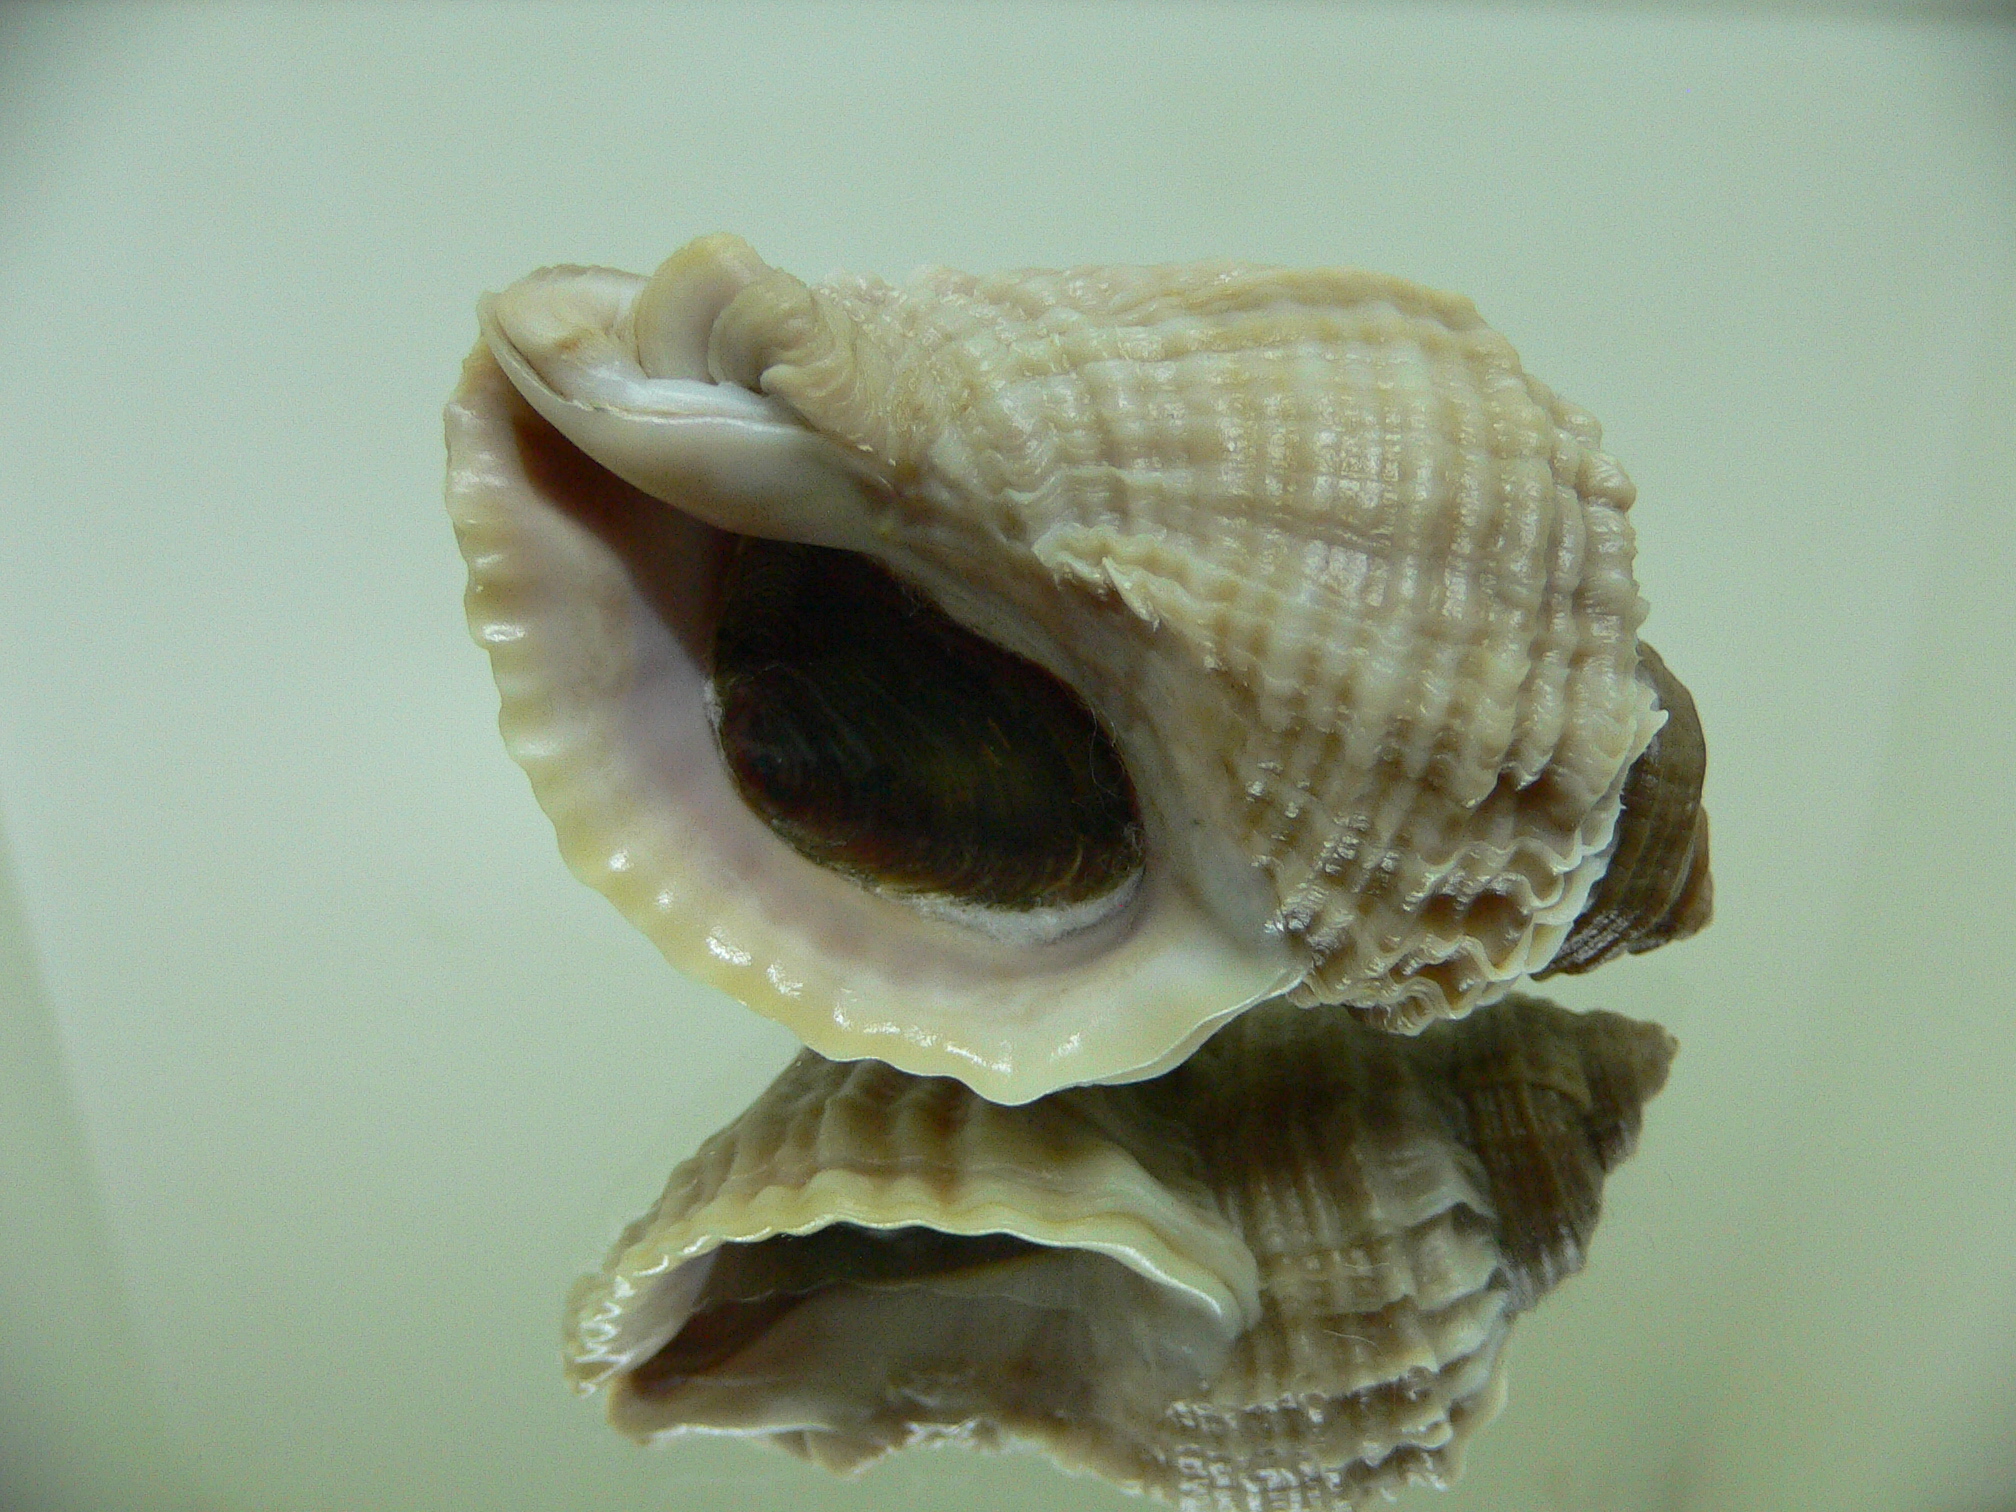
78 1433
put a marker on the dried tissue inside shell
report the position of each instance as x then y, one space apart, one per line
1349 595
1278 1277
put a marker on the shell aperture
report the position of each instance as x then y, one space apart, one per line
1280 1276
880 738
1349 594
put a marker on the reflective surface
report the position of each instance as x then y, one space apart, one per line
1278 1278
334 1079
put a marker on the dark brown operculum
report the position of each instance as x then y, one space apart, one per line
883 740
1657 887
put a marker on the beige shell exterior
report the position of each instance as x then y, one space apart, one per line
1352 592
1278 1277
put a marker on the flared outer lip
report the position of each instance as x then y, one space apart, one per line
594 601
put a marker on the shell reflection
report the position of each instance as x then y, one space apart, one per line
1280 1276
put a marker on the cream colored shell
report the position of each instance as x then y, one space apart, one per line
1279 1277
1352 593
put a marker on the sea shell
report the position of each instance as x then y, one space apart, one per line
1346 594
1280 1276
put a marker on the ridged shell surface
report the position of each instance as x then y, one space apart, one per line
1397 566
1351 593
1279 1277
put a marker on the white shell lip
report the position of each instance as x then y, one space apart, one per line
602 678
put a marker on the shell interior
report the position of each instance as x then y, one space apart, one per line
881 739
600 609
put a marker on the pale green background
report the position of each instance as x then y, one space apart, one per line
321 1077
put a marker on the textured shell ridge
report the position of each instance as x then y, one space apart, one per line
1160 599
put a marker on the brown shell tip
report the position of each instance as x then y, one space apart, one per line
1657 887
